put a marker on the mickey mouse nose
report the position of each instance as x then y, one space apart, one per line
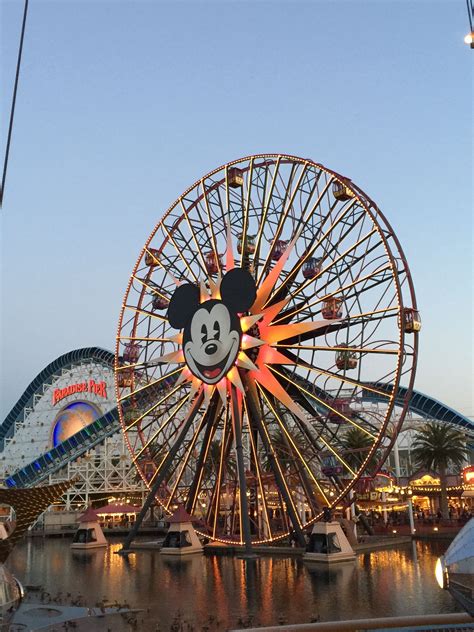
211 348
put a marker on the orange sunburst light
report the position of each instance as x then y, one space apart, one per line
258 342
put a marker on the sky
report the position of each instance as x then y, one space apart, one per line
123 105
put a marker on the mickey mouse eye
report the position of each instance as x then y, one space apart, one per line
217 330
204 333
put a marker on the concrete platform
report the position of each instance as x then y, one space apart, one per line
373 544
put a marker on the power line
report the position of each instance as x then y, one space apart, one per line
12 111
470 12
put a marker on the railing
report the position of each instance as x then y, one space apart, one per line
408 623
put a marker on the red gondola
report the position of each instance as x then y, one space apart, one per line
249 244
341 192
160 302
131 352
311 267
342 406
151 257
346 359
213 262
332 308
411 320
125 378
279 249
235 177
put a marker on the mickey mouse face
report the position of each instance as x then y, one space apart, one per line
211 342
212 332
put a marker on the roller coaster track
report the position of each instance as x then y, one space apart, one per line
96 433
422 405
46 378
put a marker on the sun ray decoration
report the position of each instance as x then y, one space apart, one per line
251 436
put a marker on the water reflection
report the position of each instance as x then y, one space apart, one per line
268 590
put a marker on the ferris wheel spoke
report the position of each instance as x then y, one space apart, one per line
342 378
151 384
162 469
324 403
254 408
258 471
361 350
335 279
265 209
311 248
180 254
145 312
145 339
150 288
153 256
188 452
302 221
339 326
245 214
289 438
293 312
285 209
353 261
225 444
210 417
193 235
359 385
287 203
171 417
211 227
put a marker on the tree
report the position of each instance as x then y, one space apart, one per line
437 445
356 444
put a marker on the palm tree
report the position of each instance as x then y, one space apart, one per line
435 447
356 444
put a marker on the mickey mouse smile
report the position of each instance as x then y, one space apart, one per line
216 371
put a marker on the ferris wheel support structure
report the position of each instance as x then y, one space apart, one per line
268 298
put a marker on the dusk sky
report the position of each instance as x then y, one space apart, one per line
123 105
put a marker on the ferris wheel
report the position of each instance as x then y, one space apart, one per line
266 299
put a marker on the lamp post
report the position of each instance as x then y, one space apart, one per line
410 516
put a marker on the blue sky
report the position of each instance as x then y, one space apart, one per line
122 105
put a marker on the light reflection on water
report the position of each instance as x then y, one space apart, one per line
270 590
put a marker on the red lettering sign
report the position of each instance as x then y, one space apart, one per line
468 475
97 388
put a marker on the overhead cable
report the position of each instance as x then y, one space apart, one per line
12 110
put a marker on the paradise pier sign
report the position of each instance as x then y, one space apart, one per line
90 386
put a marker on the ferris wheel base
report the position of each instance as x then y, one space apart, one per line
328 544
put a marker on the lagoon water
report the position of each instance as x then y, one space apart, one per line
270 590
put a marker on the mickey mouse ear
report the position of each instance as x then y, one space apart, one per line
183 304
238 290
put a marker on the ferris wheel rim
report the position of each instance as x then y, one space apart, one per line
376 217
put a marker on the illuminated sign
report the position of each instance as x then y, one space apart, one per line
91 386
468 475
